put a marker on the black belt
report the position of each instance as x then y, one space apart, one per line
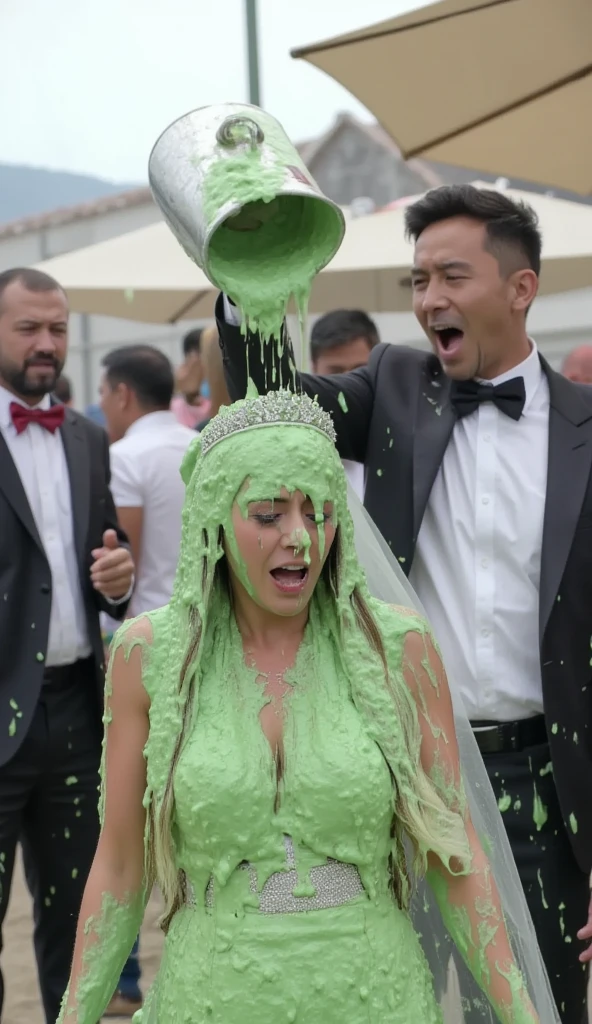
59 676
503 737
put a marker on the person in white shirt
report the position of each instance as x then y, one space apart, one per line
478 462
63 559
148 446
341 341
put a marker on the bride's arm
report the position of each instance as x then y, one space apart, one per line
115 893
466 894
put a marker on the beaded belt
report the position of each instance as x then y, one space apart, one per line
335 883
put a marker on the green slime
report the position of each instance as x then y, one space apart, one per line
352 789
262 269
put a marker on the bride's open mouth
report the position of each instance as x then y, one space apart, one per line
290 579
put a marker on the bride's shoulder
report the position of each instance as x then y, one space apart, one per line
399 618
405 632
148 631
138 631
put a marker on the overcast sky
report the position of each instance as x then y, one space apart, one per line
87 85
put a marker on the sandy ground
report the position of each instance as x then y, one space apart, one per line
22 998
20 974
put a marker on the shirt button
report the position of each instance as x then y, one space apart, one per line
45 588
485 562
485 500
484 632
487 437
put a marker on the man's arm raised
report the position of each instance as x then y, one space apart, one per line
349 397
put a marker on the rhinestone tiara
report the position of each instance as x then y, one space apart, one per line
277 407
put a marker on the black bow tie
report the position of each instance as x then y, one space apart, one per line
467 395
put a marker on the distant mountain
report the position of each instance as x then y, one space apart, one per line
26 191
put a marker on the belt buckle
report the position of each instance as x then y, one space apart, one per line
513 737
508 735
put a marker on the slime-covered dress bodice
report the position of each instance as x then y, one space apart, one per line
225 960
334 797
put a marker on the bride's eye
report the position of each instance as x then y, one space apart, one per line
320 519
266 518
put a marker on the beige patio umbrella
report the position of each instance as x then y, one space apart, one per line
142 275
502 86
145 275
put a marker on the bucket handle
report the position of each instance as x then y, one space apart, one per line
226 136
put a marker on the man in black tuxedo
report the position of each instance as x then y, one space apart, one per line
478 474
61 562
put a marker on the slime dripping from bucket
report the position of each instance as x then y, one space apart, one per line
262 269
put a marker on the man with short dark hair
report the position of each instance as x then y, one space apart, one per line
341 341
61 562
478 473
148 446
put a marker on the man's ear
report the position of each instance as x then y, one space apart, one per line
525 285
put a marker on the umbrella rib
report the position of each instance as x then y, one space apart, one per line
306 51
539 94
186 305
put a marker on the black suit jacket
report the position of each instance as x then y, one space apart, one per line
399 420
25 577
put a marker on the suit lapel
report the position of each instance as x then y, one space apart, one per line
434 421
12 487
568 472
77 457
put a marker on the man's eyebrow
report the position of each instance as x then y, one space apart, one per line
35 322
444 265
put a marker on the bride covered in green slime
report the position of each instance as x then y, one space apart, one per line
281 760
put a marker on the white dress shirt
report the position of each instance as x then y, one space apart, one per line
41 463
478 557
145 473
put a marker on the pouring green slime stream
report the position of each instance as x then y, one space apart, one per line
262 269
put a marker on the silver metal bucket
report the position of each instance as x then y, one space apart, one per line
209 163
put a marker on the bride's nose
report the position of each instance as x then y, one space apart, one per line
297 538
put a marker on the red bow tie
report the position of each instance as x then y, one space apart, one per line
22 415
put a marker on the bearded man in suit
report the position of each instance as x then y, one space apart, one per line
63 559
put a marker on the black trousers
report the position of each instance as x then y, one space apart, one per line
48 803
556 890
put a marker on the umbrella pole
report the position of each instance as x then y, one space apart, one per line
253 52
